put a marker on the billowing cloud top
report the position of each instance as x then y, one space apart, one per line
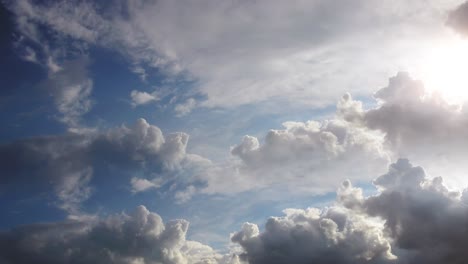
222 114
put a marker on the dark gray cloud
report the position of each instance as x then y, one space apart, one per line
413 219
141 237
427 222
458 19
66 161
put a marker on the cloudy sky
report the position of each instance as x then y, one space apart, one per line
234 132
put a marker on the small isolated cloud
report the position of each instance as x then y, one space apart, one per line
140 71
30 55
185 108
141 185
140 237
142 98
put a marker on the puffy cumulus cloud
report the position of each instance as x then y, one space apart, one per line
412 219
416 124
313 236
227 54
67 161
140 237
304 157
426 221
410 116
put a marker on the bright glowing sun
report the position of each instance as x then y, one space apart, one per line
445 70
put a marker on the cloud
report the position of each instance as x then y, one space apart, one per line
185 195
458 18
334 235
67 161
425 220
142 98
407 114
141 237
308 157
141 185
77 20
68 81
70 88
237 56
412 219
416 124
30 55
185 108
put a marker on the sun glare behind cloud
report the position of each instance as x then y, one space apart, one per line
444 70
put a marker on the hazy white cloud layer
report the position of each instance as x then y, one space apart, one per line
245 52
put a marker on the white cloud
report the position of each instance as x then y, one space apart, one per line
141 185
185 108
30 55
142 98
246 52
140 71
185 195
416 124
305 157
71 88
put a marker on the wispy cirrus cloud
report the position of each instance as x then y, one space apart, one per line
235 54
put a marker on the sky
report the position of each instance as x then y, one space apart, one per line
233 132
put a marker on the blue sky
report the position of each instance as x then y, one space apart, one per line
227 114
30 113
